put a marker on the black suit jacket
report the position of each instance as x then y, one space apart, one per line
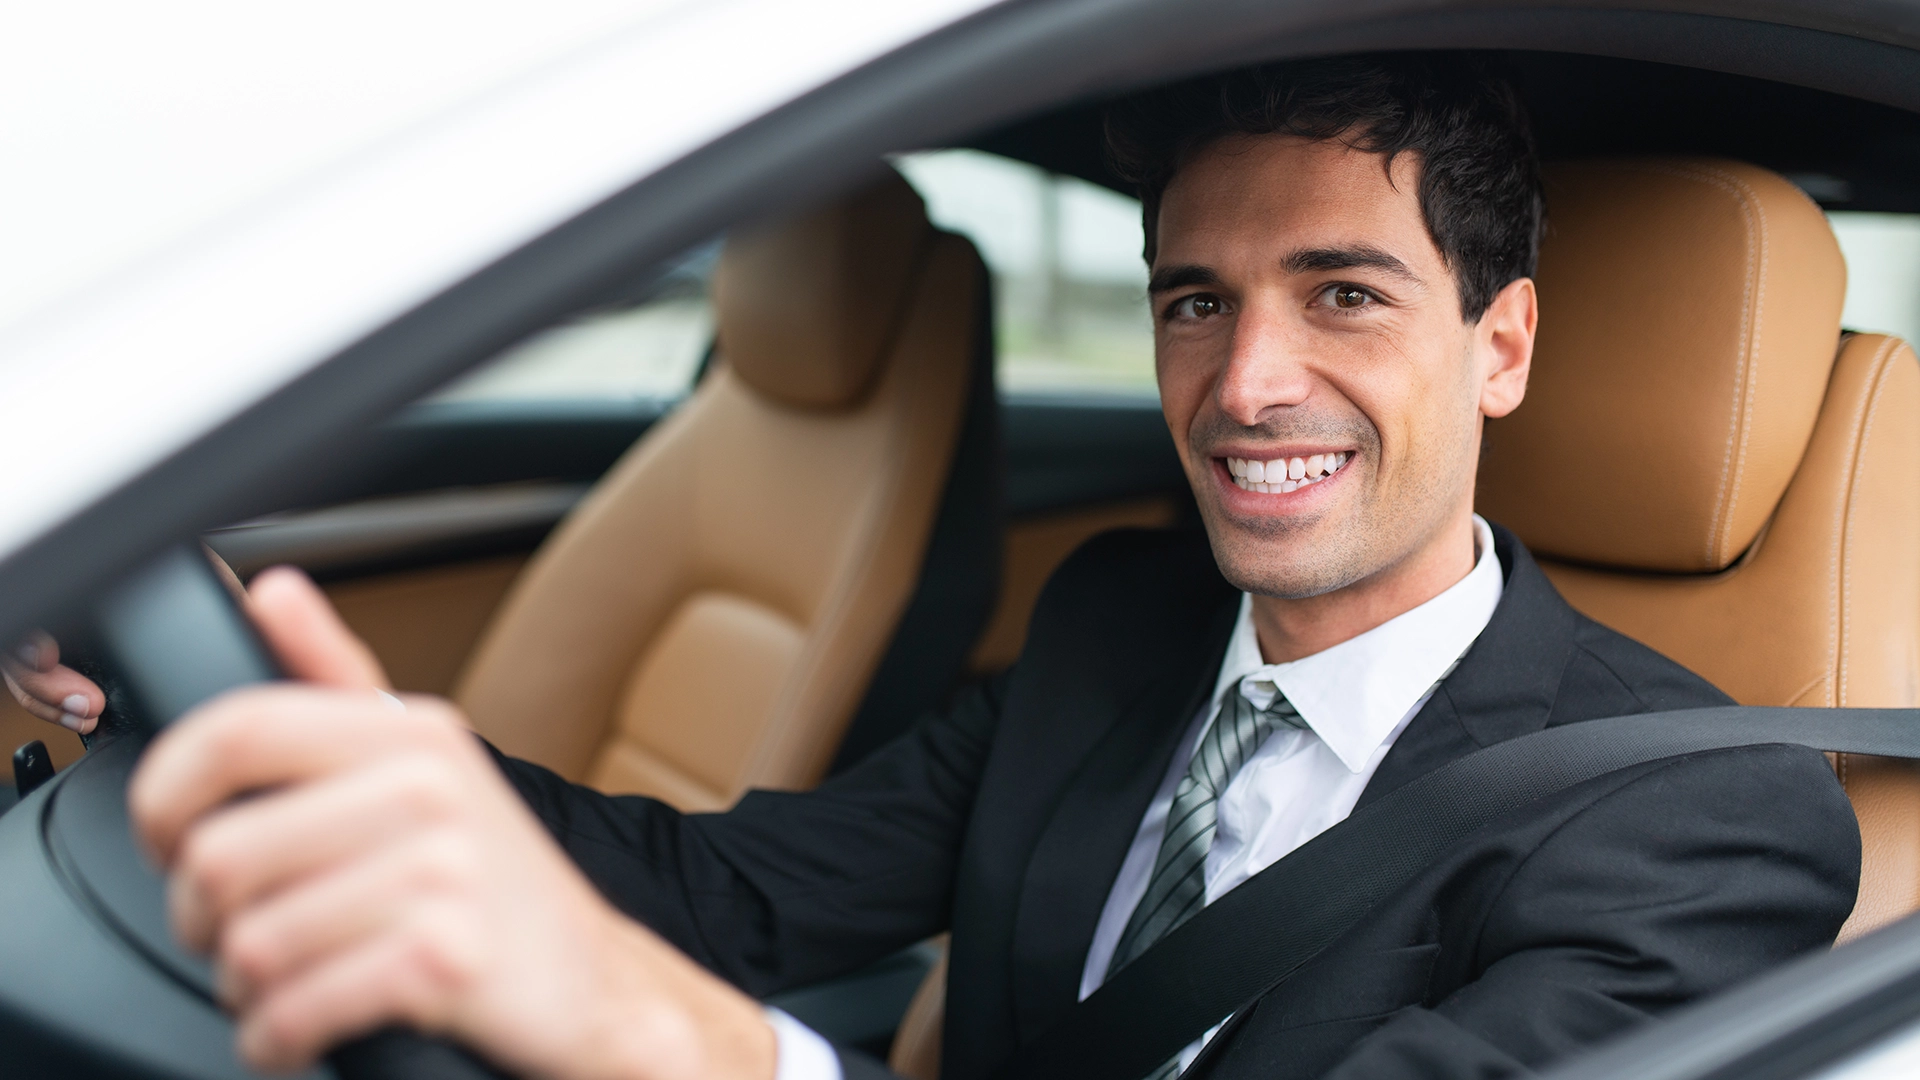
1006 818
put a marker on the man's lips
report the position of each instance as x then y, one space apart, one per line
1284 475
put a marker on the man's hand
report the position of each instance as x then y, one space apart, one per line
383 871
49 690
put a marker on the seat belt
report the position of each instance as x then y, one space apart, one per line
1240 947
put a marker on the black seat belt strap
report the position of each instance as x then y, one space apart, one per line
1248 941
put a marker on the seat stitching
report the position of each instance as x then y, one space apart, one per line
1733 461
1837 527
1882 369
1734 467
1755 303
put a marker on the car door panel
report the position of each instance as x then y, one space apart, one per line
422 623
441 501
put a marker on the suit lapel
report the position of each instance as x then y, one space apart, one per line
1111 750
1086 838
1505 685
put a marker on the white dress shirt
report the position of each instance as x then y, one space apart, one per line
1356 697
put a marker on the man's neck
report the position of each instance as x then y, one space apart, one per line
1291 629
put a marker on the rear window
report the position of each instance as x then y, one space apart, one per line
1070 298
1069 293
649 350
1070 289
1883 271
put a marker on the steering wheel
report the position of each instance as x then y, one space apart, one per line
92 982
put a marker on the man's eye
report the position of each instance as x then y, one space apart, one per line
1348 297
1197 306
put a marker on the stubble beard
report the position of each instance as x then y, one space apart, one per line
1291 557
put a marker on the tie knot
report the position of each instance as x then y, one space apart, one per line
1278 710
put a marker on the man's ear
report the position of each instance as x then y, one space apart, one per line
1504 339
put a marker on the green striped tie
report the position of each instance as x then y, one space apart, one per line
1178 887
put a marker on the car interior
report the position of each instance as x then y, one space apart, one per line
738 526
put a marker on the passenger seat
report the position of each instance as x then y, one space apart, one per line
712 615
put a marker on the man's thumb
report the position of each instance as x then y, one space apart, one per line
307 635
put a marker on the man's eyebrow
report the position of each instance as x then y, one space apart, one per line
1314 260
1179 277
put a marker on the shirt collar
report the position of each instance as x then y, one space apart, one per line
1355 694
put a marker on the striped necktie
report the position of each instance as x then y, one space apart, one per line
1178 887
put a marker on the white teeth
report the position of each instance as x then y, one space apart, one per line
1283 475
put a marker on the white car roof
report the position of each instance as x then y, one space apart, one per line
202 201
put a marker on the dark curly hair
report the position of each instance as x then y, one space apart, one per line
1479 177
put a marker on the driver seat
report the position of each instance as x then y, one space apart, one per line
1706 464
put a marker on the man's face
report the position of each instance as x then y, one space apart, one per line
1321 386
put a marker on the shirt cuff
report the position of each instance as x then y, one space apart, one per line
802 1054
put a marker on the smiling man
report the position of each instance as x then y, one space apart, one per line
1340 258
1325 372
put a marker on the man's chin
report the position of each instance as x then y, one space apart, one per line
1287 559
1288 583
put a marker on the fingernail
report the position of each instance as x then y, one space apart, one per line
29 653
78 705
75 724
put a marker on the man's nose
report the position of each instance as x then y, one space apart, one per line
1267 368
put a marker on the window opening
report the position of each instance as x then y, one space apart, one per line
650 349
1070 289
1883 271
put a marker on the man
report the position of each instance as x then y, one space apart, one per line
1340 258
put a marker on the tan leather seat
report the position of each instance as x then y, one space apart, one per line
708 619
1697 466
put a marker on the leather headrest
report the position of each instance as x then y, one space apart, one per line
808 305
1689 316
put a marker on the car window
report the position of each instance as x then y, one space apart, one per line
649 349
1883 271
1070 297
1070 289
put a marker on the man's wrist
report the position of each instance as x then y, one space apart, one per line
663 1017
